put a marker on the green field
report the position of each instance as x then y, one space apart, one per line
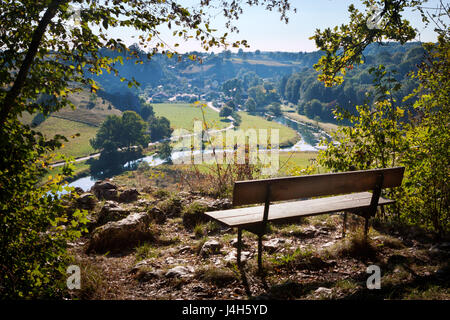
80 169
292 114
290 161
287 135
183 115
75 147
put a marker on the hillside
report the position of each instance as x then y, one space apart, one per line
85 120
266 77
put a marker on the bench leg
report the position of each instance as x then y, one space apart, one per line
239 247
366 227
260 253
344 225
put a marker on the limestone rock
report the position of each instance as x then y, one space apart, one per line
274 244
231 257
86 201
111 211
180 272
210 247
104 190
118 235
129 195
157 215
323 291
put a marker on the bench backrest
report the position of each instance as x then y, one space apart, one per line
289 188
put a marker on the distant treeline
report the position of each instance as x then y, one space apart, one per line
315 100
257 81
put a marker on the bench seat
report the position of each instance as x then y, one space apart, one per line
250 216
346 192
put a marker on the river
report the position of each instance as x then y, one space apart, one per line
310 137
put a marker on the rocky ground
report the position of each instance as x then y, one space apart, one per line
155 244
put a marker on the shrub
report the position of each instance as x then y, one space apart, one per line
172 206
356 245
161 193
199 231
194 215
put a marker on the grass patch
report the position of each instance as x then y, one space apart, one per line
199 231
76 146
183 115
288 136
355 245
299 259
299 159
217 276
327 127
161 194
194 214
147 251
93 283
431 292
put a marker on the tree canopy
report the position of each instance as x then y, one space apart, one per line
54 48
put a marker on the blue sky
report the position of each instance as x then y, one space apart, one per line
264 31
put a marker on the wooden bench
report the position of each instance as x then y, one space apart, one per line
349 190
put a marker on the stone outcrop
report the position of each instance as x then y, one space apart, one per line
128 195
122 234
105 190
157 215
111 211
180 272
210 247
86 201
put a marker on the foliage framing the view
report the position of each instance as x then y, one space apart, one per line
45 51
379 137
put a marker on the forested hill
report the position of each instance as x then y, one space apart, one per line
266 77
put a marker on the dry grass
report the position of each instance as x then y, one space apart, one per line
217 276
355 245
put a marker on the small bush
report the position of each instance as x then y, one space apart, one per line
199 231
355 246
161 194
194 214
172 206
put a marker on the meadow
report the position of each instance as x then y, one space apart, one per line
183 115
288 136
76 146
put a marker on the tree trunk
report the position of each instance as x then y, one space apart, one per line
38 33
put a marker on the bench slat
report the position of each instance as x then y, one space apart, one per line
289 210
288 188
